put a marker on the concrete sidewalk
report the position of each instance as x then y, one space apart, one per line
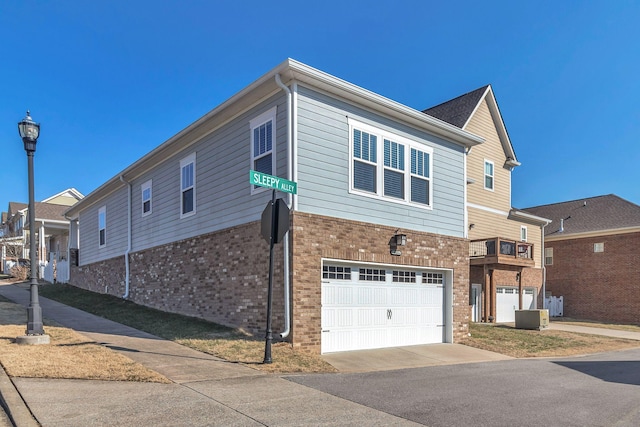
206 391
614 333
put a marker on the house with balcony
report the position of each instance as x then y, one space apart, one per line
506 244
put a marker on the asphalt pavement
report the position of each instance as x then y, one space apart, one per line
442 388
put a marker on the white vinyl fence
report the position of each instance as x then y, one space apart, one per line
555 306
55 271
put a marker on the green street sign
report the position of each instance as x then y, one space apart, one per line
270 181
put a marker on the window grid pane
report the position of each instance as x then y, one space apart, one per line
336 272
372 275
433 278
404 276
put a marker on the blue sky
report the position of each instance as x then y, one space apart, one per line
111 80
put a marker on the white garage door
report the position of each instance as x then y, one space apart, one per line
365 307
507 302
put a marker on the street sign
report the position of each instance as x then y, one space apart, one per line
282 221
274 182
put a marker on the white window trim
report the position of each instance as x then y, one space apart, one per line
254 123
148 186
102 211
191 158
524 234
484 175
381 135
548 254
598 247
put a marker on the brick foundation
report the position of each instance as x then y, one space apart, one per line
221 277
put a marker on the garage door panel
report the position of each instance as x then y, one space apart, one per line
360 314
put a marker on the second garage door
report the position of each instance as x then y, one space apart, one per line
507 302
365 307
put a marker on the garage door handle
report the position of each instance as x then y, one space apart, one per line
389 314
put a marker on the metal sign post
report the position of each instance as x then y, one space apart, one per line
275 223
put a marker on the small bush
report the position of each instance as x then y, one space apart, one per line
20 272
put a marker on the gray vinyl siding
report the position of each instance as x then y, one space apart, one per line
222 191
323 170
116 229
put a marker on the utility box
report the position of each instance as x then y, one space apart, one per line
532 319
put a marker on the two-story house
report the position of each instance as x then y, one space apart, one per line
506 271
52 233
376 255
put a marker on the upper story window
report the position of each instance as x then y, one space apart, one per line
146 198
102 226
523 233
401 173
488 175
263 144
598 247
188 186
548 256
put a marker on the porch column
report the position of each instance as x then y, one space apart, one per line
42 248
493 296
487 295
519 277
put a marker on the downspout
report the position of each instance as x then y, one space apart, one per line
287 317
466 209
126 254
544 271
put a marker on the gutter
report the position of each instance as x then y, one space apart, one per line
287 302
126 254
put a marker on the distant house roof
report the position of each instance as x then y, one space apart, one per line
589 215
44 211
457 111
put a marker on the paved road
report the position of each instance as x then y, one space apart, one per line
596 390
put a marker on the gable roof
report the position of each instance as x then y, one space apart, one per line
459 111
600 214
70 193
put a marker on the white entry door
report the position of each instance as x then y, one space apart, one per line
365 307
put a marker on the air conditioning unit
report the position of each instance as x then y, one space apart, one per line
532 319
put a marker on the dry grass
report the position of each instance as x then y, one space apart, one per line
69 356
250 352
594 324
546 343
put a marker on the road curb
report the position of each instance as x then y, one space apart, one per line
12 402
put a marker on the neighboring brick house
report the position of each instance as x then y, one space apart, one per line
52 232
179 229
592 257
506 243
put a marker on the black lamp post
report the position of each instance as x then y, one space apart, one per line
29 132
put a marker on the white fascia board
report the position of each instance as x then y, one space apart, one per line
502 130
599 233
517 214
344 89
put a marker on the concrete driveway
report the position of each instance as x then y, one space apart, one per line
409 357
596 390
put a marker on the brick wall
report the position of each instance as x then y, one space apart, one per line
316 237
221 277
597 286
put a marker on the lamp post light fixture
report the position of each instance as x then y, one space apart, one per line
29 132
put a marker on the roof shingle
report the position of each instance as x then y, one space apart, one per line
600 213
457 110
